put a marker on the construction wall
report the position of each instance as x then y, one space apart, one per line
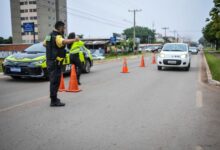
8 49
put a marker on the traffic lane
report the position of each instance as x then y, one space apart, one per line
14 92
132 111
17 92
210 114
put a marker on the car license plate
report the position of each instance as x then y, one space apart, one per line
171 62
68 67
15 69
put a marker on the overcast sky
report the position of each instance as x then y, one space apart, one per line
100 18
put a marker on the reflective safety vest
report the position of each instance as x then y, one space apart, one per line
75 48
52 50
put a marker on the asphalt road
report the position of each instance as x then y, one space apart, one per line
145 109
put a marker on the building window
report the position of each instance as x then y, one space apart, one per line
48 9
49 17
33 18
49 25
21 11
33 10
26 10
48 2
32 2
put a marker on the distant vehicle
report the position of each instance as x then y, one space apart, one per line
174 55
150 47
32 63
98 57
193 50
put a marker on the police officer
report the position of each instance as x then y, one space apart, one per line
76 55
55 53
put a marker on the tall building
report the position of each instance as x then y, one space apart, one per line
43 13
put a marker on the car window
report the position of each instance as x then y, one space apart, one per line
36 48
175 47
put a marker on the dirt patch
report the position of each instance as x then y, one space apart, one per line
204 76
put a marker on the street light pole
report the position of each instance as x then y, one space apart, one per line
134 32
165 30
174 34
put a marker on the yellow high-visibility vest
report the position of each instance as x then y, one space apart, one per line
75 48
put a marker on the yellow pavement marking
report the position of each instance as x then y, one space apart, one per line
199 99
23 104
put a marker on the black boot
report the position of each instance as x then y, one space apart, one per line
78 78
55 102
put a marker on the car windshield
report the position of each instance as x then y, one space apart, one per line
36 48
175 47
192 48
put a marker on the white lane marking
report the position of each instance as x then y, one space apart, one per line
199 148
199 99
23 104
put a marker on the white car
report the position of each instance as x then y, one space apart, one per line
175 55
193 50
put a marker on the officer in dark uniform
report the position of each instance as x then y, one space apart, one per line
55 53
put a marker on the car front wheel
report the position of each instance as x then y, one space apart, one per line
87 66
159 68
187 68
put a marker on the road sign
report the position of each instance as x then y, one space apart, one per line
113 40
28 27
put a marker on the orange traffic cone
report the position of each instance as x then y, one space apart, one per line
62 84
142 64
154 59
73 83
125 67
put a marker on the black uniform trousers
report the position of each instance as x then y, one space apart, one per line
54 70
74 58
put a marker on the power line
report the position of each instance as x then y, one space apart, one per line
85 17
92 15
88 11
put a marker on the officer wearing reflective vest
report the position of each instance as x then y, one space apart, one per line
76 55
55 53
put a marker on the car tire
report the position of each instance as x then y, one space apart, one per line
87 67
16 77
159 68
187 68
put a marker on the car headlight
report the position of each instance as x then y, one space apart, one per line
162 55
5 61
184 56
37 62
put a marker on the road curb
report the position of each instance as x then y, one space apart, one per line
209 75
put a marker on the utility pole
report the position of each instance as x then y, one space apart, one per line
134 36
165 30
174 34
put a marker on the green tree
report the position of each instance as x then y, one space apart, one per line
211 31
144 33
5 41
